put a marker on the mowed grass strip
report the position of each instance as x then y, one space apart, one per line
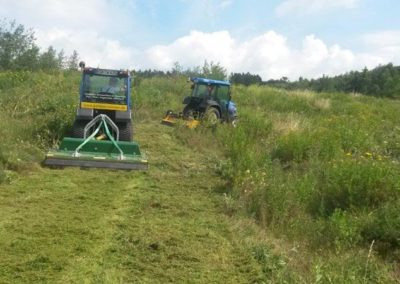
54 219
101 226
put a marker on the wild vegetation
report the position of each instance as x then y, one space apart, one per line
322 168
317 172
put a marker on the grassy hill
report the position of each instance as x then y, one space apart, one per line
305 189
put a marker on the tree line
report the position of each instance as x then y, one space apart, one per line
19 51
382 81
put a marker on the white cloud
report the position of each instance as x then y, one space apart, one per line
192 50
386 44
77 14
383 39
313 6
268 55
94 49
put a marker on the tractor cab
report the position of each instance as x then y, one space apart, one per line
105 86
210 100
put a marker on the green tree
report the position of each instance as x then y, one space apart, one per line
206 69
61 59
213 71
245 79
72 62
17 47
177 68
28 60
48 60
217 71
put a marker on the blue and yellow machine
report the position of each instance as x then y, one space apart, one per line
101 135
210 100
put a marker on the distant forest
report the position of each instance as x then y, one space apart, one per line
382 81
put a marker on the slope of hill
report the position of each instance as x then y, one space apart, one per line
306 189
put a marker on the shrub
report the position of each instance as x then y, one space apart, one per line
294 146
383 227
246 145
351 184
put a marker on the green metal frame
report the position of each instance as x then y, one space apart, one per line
89 152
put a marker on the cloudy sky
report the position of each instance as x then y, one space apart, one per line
272 38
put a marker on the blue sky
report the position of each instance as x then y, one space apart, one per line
272 38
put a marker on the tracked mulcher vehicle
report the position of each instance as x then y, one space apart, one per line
210 100
101 136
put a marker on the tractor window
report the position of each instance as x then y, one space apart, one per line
223 93
199 91
104 84
104 89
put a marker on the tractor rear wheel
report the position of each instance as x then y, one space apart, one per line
212 115
78 129
125 131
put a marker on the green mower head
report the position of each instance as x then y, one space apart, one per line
97 154
92 153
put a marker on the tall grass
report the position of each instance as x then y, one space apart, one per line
36 111
323 168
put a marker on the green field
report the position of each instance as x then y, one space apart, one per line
305 190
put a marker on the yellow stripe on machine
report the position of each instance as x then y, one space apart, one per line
104 106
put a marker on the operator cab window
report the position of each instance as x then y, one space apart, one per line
223 94
99 84
104 89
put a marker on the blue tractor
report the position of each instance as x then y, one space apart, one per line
210 101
